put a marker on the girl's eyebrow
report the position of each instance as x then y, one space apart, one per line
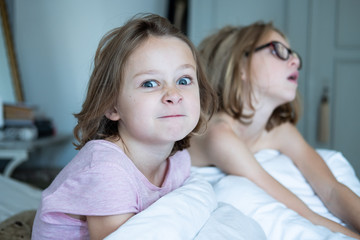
186 66
146 72
153 72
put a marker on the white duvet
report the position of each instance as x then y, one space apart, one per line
189 212
277 221
212 205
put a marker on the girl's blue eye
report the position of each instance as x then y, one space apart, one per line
184 81
150 84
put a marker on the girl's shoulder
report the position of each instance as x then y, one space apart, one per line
102 147
96 153
283 135
283 130
219 134
212 142
101 144
221 125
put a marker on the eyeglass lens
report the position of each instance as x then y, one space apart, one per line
283 52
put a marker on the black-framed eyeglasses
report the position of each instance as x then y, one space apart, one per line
280 50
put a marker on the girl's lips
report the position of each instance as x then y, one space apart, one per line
294 77
173 116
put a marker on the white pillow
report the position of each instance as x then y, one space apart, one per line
226 222
178 215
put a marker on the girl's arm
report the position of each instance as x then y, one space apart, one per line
225 150
102 226
338 198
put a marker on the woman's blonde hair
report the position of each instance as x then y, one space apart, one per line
106 79
225 54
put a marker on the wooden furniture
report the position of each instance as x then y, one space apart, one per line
18 151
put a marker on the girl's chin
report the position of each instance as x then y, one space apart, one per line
291 95
287 99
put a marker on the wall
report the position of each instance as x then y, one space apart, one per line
56 40
335 65
325 33
208 15
55 43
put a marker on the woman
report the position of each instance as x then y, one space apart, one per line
255 74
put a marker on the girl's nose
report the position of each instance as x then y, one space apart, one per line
172 96
295 59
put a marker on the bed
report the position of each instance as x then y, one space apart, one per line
18 203
190 212
212 205
277 221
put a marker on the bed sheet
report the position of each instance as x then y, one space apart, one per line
16 197
277 221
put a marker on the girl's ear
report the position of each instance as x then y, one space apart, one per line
243 75
112 114
243 71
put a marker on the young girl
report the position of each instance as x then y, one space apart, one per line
255 74
142 105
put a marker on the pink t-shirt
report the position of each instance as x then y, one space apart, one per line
101 180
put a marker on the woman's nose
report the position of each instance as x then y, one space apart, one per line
172 96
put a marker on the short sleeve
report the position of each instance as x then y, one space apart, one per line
104 189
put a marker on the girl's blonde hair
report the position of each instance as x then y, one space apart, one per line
225 55
106 79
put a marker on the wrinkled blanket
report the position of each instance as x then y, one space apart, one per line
212 205
277 221
189 212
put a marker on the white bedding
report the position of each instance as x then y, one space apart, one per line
228 210
277 221
212 205
16 197
189 212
